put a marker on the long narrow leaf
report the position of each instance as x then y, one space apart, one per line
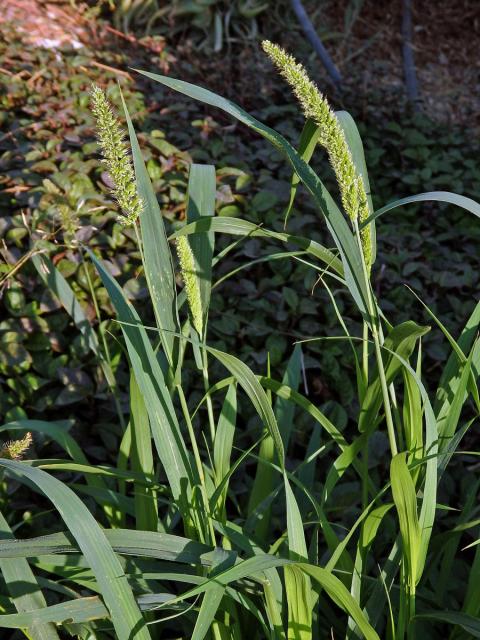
169 441
158 260
201 203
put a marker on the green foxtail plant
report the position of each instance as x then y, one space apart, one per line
249 512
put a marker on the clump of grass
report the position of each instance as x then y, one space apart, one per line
246 512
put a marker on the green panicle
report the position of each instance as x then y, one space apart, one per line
15 449
332 137
187 267
116 157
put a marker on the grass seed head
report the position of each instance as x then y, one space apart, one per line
187 267
332 137
116 157
16 449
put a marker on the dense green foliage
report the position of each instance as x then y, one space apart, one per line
281 499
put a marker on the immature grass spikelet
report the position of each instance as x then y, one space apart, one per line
116 157
187 267
15 449
332 137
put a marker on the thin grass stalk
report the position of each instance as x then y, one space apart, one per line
386 397
376 331
206 384
106 348
198 461
403 605
411 613
365 354
365 452
396 415
139 242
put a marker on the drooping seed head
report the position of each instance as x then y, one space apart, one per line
116 157
332 137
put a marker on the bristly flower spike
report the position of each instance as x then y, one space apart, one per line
116 157
15 449
192 289
332 137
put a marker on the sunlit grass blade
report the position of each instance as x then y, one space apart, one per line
259 503
213 596
284 410
200 203
156 251
299 601
306 147
74 611
368 533
274 444
298 587
462 359
404 496
146 506
250 384
412 415
240 227
286 392
432 196
222 448
429 501
253 568
130 542
450 376
241 541
450 423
